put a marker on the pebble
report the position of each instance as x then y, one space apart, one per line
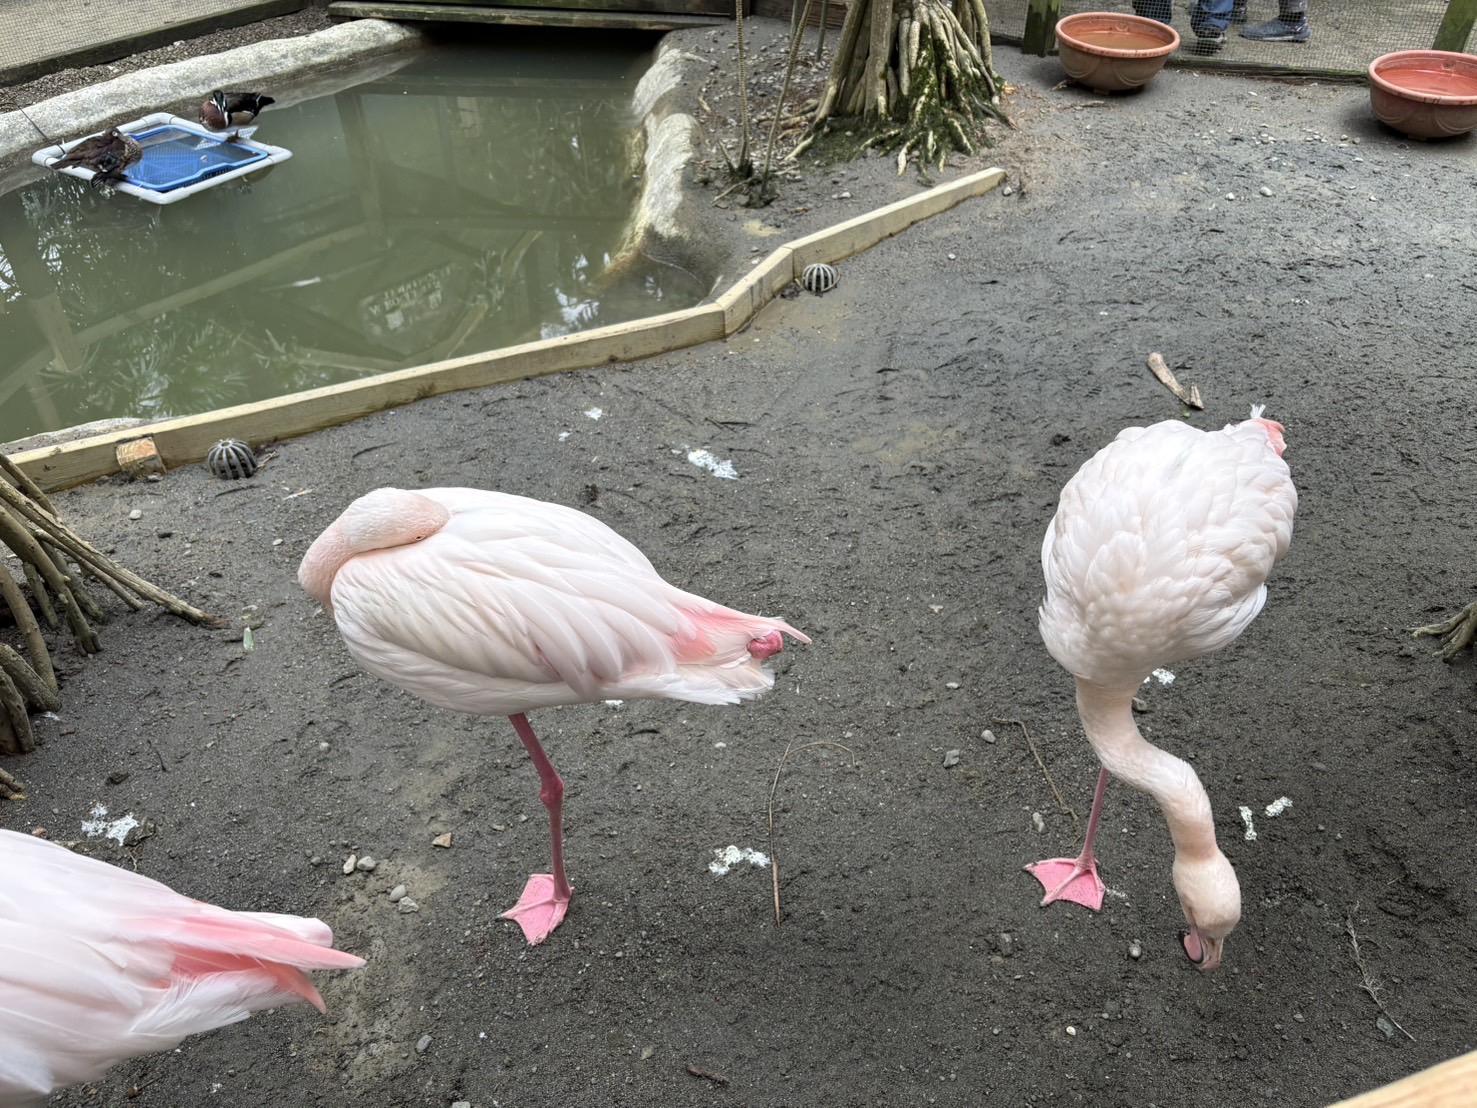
461 1104
951 684
1265 191
135 514
951 759
407 905
1135 950
350 863
366 864
323 748
442 840
397 893
988 736
1071 1030
423 1044
1230 196
1140 704
1039 821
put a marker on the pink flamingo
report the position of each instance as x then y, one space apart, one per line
495 604
98 964
1159 553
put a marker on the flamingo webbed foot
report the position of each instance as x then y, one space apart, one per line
1073 879
540 909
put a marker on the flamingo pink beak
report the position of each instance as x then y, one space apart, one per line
1204 952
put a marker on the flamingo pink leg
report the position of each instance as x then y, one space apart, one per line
545 898
1076 879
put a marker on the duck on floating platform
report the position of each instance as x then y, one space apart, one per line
232 109
107 155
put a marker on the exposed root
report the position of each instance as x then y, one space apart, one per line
1368 982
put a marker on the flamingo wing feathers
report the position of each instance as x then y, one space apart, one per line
98 964
1161 546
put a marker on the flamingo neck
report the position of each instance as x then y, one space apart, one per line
323 560
1107 717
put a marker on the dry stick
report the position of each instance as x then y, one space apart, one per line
1370 985
43 599
1159 369
10 787
22 480
14 534
774 862
14 707
108 571
30 629
780 107
1044 771
84 598
30 683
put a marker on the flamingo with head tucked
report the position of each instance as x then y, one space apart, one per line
495 604
98 964
1159 552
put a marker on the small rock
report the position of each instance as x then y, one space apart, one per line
951 684
1140 704
647 1051
315 860
1135 950
1265 191
397 894
423 1044
407 905
1007 190
988 736
323 748
1230 196
1005 944
135 514
366 864
350 863
442 840
1039 821
951 759
1386 1026
1071 1030
118 776
461 1104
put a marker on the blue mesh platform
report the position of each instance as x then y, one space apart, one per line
175 158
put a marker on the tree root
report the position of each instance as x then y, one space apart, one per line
32 531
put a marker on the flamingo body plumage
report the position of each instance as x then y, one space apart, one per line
495 604
98 964
1159 553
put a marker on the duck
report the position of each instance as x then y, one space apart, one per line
232 109
107 155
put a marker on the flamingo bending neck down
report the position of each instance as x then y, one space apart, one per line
495 604
99 964
1159 553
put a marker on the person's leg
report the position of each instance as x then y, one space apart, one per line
1209 19
1153 9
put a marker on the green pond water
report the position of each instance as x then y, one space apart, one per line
469 200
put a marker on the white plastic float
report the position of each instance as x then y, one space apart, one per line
180 158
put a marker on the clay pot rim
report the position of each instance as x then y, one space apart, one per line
1393 63
1149 25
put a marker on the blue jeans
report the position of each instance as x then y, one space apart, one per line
1205 15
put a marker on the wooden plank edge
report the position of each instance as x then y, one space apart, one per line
755 289
1450 1084
188 438
865 231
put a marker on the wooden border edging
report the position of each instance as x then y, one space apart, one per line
1451 1084
188 438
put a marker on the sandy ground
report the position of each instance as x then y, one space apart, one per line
899 445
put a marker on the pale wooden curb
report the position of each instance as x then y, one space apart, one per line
187 439
1451 1084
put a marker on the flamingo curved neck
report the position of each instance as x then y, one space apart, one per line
1107 717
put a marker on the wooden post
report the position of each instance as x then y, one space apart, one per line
1456 26
1451 1084
1041 19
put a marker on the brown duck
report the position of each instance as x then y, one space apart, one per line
107 155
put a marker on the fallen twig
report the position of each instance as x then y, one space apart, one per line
1044 771
1159 369
715 1078
774 861
1370 984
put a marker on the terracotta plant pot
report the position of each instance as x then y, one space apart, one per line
1111 52
1425 93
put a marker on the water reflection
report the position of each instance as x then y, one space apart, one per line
468 201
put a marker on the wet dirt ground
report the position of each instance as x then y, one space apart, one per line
898 447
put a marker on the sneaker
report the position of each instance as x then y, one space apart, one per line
1208 41
1279 30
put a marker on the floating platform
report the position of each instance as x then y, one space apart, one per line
180 158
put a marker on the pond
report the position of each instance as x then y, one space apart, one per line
471 199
